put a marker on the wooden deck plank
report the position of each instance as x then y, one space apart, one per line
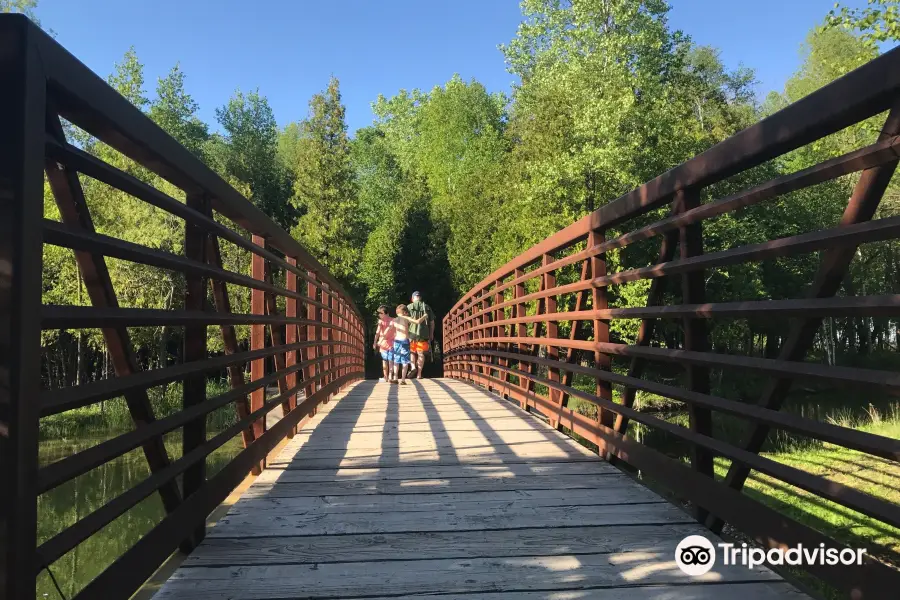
440 490
260 525
733 591
470 575
436 545
549 469
426 486
621 493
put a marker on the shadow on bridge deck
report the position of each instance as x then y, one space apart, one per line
441 489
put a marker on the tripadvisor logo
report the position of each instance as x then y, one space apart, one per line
696 555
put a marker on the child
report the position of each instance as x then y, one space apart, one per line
400 326
384 341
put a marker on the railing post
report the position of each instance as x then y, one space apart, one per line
328 336
258 340
195 348
338 336
22 114
520 329
290 332
480 334
446 324
551 331
312 336
599 301
499 330
280 358
693 291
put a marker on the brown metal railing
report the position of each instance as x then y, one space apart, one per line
505 332
316 344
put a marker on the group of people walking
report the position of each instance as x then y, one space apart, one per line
403 340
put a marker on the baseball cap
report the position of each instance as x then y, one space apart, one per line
416 293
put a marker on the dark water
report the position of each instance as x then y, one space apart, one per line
63 506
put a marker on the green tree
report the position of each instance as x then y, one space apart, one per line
128 79
330 225
601 108
248 152
460 150
877 22
378 175
175 110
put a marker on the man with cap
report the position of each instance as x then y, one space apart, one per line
421 335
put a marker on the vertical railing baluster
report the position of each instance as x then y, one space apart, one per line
328 336
499 330
195 348
342 337
600 301
551 328
577 328
258 340
481 333
521 331
290 333
693 291
279 358
312 335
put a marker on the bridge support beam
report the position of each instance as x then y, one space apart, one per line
22 115
258 342
313 313
291 334
599 301
548 282
521 330
693 291
195 348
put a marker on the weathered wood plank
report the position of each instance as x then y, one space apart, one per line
410 416
496 424
403 445
369 439
733 591
430 486
340 580
554 469
248 525
481 456
437 545
621 492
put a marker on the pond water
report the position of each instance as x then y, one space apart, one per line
68 503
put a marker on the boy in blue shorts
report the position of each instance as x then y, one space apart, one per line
384 343
400 325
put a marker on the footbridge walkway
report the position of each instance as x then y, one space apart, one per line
442 490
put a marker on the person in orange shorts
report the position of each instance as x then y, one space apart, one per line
421 334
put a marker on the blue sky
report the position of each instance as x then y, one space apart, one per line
289 48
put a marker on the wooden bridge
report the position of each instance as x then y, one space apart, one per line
472 486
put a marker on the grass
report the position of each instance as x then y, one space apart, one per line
869 474
111 417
